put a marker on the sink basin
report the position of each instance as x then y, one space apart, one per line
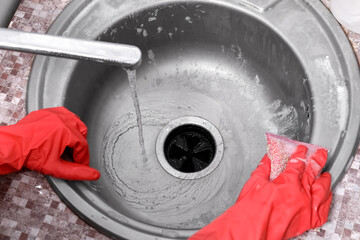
215 77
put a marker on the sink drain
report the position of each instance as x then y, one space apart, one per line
189 147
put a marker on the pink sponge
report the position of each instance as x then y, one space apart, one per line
279 150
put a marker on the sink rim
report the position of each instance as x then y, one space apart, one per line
60 186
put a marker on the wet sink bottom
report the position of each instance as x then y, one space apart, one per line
231 95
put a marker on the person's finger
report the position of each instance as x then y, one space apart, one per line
71 119
78 144
320 156
318 161
71 171
295 167
315 164
259 177
70 132
321 199
81 152
263 169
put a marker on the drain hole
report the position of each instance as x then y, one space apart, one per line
189 148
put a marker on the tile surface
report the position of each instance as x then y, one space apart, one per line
29 208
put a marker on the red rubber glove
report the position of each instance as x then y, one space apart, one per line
38 141
286 207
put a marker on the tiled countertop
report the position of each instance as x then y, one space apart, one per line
29 208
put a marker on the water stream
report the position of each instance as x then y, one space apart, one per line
132 81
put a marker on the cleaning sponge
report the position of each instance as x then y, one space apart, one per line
279 150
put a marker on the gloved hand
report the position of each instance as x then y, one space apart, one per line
39 140
286 207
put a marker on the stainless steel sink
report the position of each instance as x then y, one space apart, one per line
216 75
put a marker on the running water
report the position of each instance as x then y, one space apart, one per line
132 80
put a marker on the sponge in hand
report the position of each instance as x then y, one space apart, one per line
279 150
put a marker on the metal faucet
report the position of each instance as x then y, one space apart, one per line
123 55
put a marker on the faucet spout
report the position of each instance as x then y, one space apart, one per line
123 55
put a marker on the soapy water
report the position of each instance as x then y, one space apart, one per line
335 91
158 196
148 189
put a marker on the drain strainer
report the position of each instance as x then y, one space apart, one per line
189 147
